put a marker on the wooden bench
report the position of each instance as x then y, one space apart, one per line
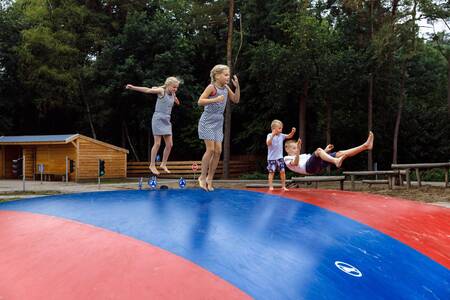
390 174
407 168
294 182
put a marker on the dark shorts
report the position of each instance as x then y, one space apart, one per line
315 164
274 165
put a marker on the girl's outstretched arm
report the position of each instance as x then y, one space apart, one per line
146 90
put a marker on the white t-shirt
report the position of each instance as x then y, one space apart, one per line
276 149
301 167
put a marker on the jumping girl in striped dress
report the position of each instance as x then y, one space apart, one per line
210 126
161 125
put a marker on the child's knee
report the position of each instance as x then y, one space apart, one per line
318 151
210 151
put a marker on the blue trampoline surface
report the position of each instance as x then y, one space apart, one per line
268 246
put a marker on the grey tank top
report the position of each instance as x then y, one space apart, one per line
164 104
217 108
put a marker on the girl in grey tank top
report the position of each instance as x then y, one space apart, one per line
210 126
161 125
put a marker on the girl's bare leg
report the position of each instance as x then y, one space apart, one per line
206 161
213 165
153 152
168 147
368 145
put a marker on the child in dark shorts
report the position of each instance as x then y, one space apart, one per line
275 160
321 158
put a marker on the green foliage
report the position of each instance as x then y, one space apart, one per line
429 175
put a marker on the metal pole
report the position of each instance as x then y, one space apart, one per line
98 173
67 171
23 172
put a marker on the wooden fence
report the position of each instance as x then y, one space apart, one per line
184 169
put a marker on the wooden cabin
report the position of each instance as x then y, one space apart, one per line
50 155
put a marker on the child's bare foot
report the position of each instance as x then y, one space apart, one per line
209 185
339 161
285 189
369 142
271 188
164 167
202 184
153 169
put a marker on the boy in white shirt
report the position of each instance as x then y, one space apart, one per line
308 164
275 160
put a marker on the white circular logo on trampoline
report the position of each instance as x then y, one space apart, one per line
347 268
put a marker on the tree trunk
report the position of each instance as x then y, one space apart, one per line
370 120
448 85
88 107
329 108
328 130
91 123
399 116
370 96
302 115
226 145
123 137
125 127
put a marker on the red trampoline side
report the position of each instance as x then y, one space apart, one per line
47 257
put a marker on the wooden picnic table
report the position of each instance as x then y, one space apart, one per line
407 168
391 175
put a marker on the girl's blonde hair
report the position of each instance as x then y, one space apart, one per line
170 81
217 69
276 123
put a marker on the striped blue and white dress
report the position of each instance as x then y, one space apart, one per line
210 125
161 117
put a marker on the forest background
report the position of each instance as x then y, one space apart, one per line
334 69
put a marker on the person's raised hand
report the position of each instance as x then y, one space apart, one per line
235 81
329 147
274 132
299 145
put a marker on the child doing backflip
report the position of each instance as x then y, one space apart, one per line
275 160
308 164
210 126
161 125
